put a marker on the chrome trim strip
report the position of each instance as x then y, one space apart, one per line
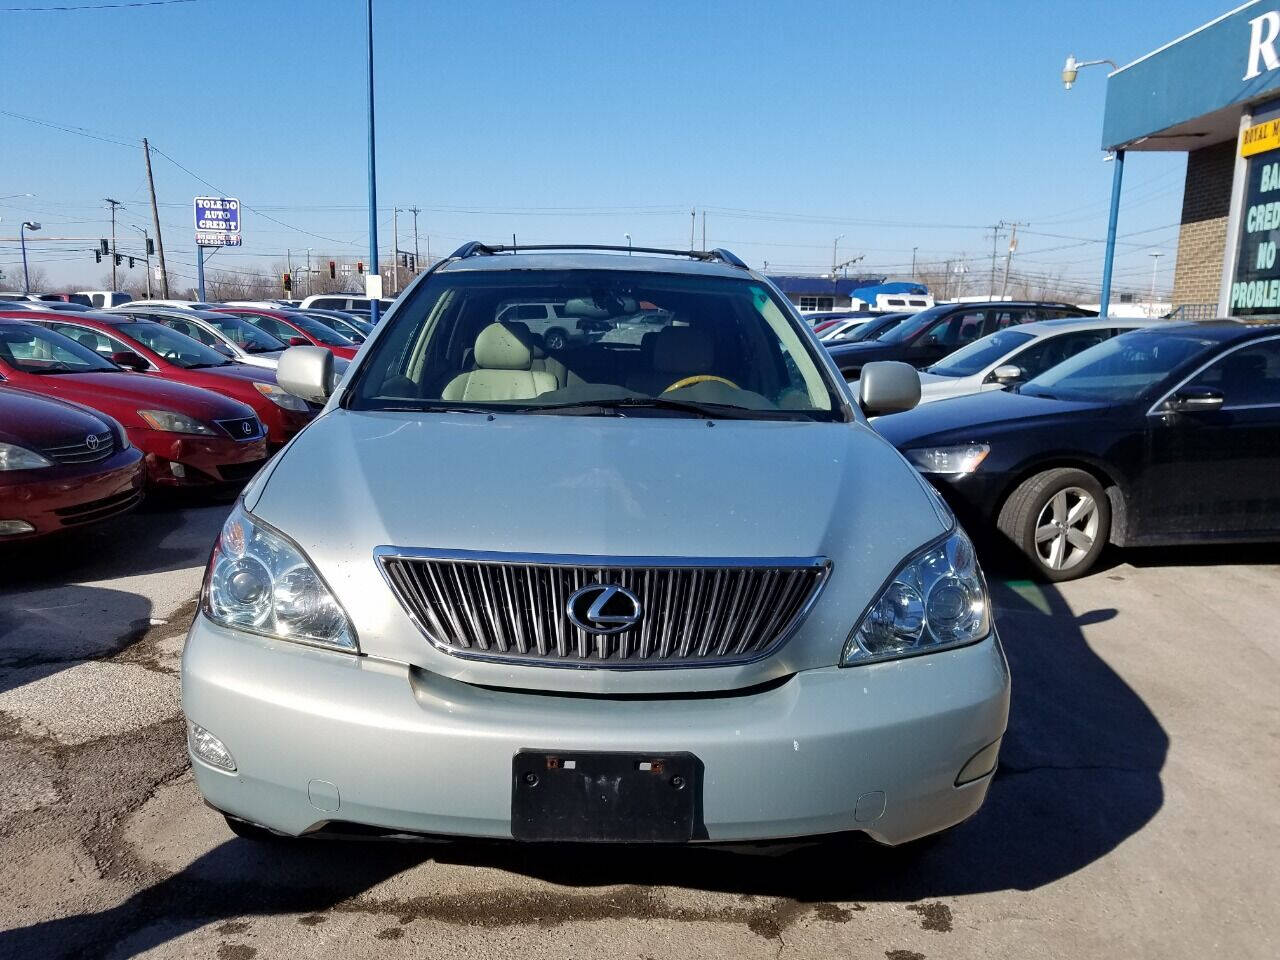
788 567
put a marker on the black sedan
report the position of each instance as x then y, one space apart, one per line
1166 435
933 333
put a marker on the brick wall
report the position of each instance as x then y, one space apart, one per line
1202 239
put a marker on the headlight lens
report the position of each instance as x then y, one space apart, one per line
937 600
171 422
962 459
281 397
14 457
259 580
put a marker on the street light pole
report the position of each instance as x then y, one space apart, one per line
22 240
114 204
1155 264
373 174
146 256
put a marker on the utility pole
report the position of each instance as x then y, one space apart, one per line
155 217
1008 258
114 204
995 237
913 262
415 211
395 261
693 222
704 229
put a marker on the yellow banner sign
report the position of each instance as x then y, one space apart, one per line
1260 138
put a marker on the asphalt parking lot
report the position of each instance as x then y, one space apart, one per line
1133 813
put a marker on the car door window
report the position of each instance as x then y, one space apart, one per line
1247 377
961 329
86 337
1003 319
270 324
1051 351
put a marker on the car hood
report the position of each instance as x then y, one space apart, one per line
238 371
130 392
635 486
935 387
968 418
32 421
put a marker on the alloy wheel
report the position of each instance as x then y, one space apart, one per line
1066 528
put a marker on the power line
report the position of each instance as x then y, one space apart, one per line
94 6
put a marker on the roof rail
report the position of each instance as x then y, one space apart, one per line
475 248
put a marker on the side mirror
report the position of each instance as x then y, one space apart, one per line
1006 373
888 386
307 372
1192 399
129 360
299 342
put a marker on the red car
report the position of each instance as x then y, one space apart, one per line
295 329
149 347
189 436
61 466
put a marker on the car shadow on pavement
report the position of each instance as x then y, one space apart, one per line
1079 774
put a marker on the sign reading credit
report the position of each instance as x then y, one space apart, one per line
217 222
1256 289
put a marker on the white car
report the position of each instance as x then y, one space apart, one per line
175 304
1017 354
232 336
841 327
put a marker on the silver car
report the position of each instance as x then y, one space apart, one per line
670 590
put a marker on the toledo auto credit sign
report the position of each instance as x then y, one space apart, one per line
217 222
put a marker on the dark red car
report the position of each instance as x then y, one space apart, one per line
61 466
189 436
295 329
149 347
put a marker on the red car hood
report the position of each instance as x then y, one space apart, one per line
122 395
32 421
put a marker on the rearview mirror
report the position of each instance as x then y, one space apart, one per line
1191 399
1007 373
307 372
129 360
888 386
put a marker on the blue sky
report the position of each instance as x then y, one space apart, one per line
899 125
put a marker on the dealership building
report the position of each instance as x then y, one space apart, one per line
1213 94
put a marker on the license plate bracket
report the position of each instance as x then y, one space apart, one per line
605 797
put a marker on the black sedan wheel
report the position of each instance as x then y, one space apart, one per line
1059 520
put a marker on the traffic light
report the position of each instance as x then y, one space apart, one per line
359 266
118 259
151 247
131 263
333 270
97 256
104 247
288 283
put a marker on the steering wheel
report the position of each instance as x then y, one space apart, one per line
700 378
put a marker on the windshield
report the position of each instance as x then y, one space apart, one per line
602 342
980 354
318 330
34 349
177 348
244 334
917 323
1119 369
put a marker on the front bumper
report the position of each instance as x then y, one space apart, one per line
200 461
62 497
323 738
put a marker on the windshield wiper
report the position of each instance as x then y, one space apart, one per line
427 406
618 405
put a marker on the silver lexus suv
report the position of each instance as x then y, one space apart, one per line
665 586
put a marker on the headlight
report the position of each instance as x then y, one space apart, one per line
281 397
13 457
938 599
258 580
171 422
961 459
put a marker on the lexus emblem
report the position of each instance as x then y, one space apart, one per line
604 608
247 427
91 442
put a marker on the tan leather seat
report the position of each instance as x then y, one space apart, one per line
504 370
678 352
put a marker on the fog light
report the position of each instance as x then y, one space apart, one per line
178 470
11 528
209 748
979 765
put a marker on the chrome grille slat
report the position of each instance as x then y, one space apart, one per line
513 609
81 452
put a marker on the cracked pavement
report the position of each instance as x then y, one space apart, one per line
1133 814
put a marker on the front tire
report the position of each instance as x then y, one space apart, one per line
1059 520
